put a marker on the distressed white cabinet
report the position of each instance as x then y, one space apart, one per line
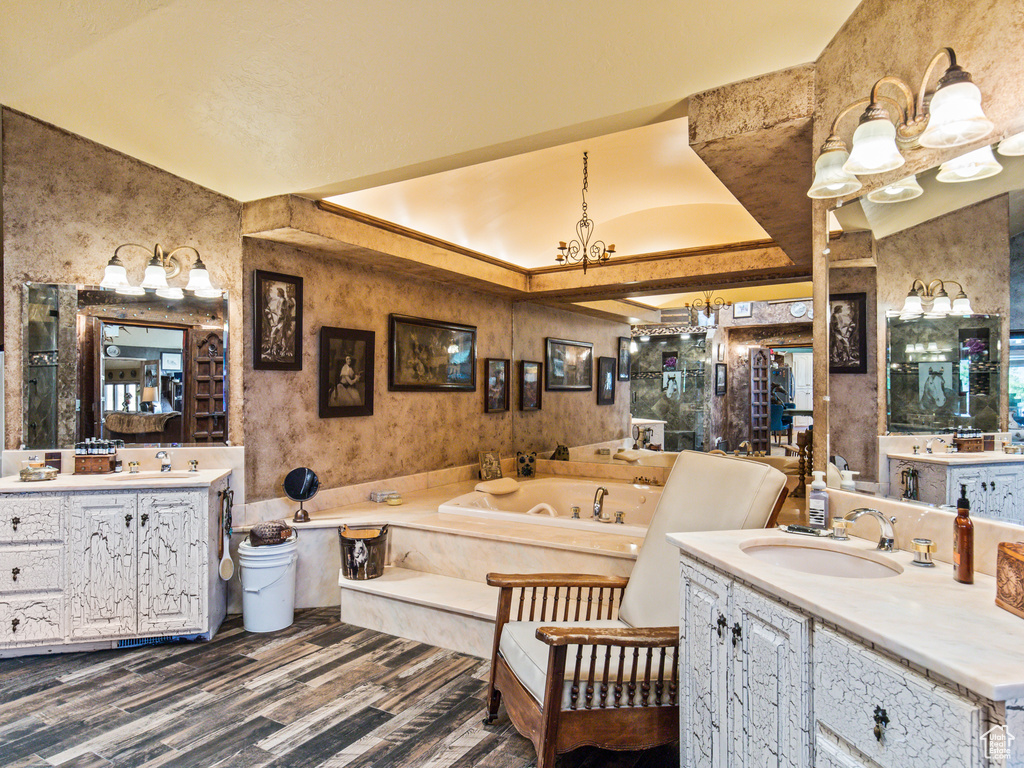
171 560
995 489
744 676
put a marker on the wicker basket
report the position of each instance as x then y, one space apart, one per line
269 533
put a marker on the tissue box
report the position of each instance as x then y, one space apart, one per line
1010 577
381 496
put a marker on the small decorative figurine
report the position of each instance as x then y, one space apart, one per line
526 463
561 453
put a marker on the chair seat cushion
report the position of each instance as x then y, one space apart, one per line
527 657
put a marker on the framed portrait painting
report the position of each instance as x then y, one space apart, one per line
529 385
568 365
847 333
430 355
624 358
277 322
496 392
721 378
346 372
605 380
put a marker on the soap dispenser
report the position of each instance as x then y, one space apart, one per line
817 503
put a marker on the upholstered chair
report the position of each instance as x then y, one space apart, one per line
592 660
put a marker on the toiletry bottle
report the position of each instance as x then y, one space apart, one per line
963 540
817 503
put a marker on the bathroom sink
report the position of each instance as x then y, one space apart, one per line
153 475
823 559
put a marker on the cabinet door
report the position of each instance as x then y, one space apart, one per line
1002 483
703 665
972 477
172 566
770 688
102 560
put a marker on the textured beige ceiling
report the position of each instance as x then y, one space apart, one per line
254 98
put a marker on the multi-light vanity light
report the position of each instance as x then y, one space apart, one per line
950 116
162 266
941 305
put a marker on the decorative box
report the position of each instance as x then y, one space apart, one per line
969 444
94 465
381 497
1010 577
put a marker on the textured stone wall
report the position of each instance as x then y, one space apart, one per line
1017 282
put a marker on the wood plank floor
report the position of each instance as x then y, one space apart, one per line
319 693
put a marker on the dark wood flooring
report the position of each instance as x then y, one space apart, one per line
319 693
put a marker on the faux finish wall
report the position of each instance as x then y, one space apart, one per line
68 203
409 431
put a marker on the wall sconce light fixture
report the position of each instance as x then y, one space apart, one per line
163 265
949 116
935 291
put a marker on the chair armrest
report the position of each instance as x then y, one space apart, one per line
632 637
513 580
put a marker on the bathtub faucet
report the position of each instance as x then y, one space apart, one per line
748 445
599 502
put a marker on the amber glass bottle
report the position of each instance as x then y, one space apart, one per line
963 540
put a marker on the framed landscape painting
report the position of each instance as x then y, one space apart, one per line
430 355
569 365
277 322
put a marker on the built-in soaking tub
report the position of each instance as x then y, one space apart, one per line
549 501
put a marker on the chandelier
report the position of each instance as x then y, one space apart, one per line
581 250
708 305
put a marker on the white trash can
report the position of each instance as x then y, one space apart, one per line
267 574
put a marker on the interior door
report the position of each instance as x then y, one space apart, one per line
760 399
803 386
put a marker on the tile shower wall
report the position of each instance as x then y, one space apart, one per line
670 376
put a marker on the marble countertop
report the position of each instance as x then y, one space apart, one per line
122 481
922 614
961 459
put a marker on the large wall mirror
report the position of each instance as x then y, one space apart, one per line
141 369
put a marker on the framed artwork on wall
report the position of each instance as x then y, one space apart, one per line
847 333
277 322
624 358
430 355
529 385
568 365
170 361
490 465
742 309
721 378
346 372
605 380
496 385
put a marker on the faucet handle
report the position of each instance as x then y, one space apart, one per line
193 465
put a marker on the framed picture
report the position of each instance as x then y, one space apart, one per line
529 385
605 380
847 333
490 465
624 358
721 352
277 322
496 395
170 361
721 378
568 365
742 309
429 355
346 372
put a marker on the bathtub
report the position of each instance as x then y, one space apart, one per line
549 501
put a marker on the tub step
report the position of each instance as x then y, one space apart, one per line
439 610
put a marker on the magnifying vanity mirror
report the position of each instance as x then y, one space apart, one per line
301 485
140 369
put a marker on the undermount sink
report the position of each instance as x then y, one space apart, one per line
153 475
823 559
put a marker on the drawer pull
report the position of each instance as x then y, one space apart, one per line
984 485
14 624
144 519
737 634
14 573
14 522
127 520
722 624
881 721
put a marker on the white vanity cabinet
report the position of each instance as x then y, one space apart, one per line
995 486
745 675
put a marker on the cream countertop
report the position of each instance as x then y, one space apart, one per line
122 481
922 614
961 459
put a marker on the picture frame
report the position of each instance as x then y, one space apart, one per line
721 352
625 358
531 374
742 309
430 355
490 465
496 385
170 361
568 365
847 333
606 380
721 378
277 322
346 372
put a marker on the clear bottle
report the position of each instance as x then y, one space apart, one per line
817 503
963 540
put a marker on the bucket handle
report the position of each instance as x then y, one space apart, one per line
284 572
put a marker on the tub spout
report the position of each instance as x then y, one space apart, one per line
599 502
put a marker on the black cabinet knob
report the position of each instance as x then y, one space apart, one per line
737 634
881 721
15 521
14 624
127 520
722 624
14 573
144 519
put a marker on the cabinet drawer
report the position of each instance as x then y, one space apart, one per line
28 620
929 726
25 518
31 569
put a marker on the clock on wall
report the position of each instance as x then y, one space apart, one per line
113 351
798 309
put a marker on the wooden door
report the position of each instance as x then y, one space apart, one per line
760 399
803 386
172 566
206 412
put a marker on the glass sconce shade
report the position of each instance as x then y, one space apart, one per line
874 148
155 278
170 293
956 117
979 164
962 305
830 178
912 306
115 275
941 306
199 281
1012 146
905 189
129 290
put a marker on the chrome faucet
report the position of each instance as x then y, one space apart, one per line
886 525
599 502
165 461
928 445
